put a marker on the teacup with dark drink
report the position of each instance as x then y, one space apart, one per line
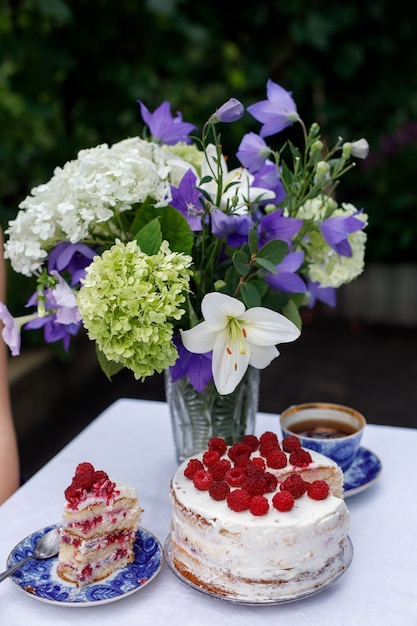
331 429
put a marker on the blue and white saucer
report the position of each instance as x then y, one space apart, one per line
39 579
363 472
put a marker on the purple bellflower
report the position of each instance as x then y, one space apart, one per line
327 295
253 152
276 226
196 366
275 113
286 278
164 127
230 111
72 257
186 199
268 178
11 330
65 320
335 231
234 227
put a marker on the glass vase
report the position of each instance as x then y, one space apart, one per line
196 417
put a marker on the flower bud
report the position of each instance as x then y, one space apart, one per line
322 172
230 111
360 148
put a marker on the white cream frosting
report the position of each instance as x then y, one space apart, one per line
258 557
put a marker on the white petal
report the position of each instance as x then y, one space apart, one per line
229 364
218 307
265 327
198 339
261 357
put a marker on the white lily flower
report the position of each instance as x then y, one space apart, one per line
237 194
238 337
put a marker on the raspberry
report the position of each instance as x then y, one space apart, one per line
239 453
100 477
271 482
268 446
84 468
251 441
235 476
202 479
259 462
74 495
300 457
219 444
276 459
255 486
211 457
295 485
283 501
238 500
318 490
259 505
83 481
268 436
219 469
290 443
193 466
219 490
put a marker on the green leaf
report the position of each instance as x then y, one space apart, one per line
273 251
291 311
250 295
174 227
241 263
271 267
275 300
149 237
110 368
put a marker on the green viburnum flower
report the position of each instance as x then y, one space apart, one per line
126 301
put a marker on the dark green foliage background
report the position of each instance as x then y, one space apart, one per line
71 72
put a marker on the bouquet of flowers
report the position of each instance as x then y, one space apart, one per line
171 259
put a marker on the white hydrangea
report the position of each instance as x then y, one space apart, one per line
83 195
329 268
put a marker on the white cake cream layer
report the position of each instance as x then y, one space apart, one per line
257 558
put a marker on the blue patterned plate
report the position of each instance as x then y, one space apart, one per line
363 472
40 580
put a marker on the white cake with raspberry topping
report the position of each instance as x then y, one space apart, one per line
99 525
259 521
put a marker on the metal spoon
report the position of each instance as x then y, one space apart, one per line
46 547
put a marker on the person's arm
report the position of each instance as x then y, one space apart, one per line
9 456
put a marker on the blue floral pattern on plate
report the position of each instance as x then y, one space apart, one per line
40 580
363 472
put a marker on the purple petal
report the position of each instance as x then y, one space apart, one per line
335 231
268 178
234 227
287 278
11 330
275 226
252 152
275 113
196 366
187 200
327 295
164 127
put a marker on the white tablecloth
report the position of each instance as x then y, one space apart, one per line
132 441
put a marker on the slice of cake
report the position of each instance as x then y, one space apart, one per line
258 521
99 525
